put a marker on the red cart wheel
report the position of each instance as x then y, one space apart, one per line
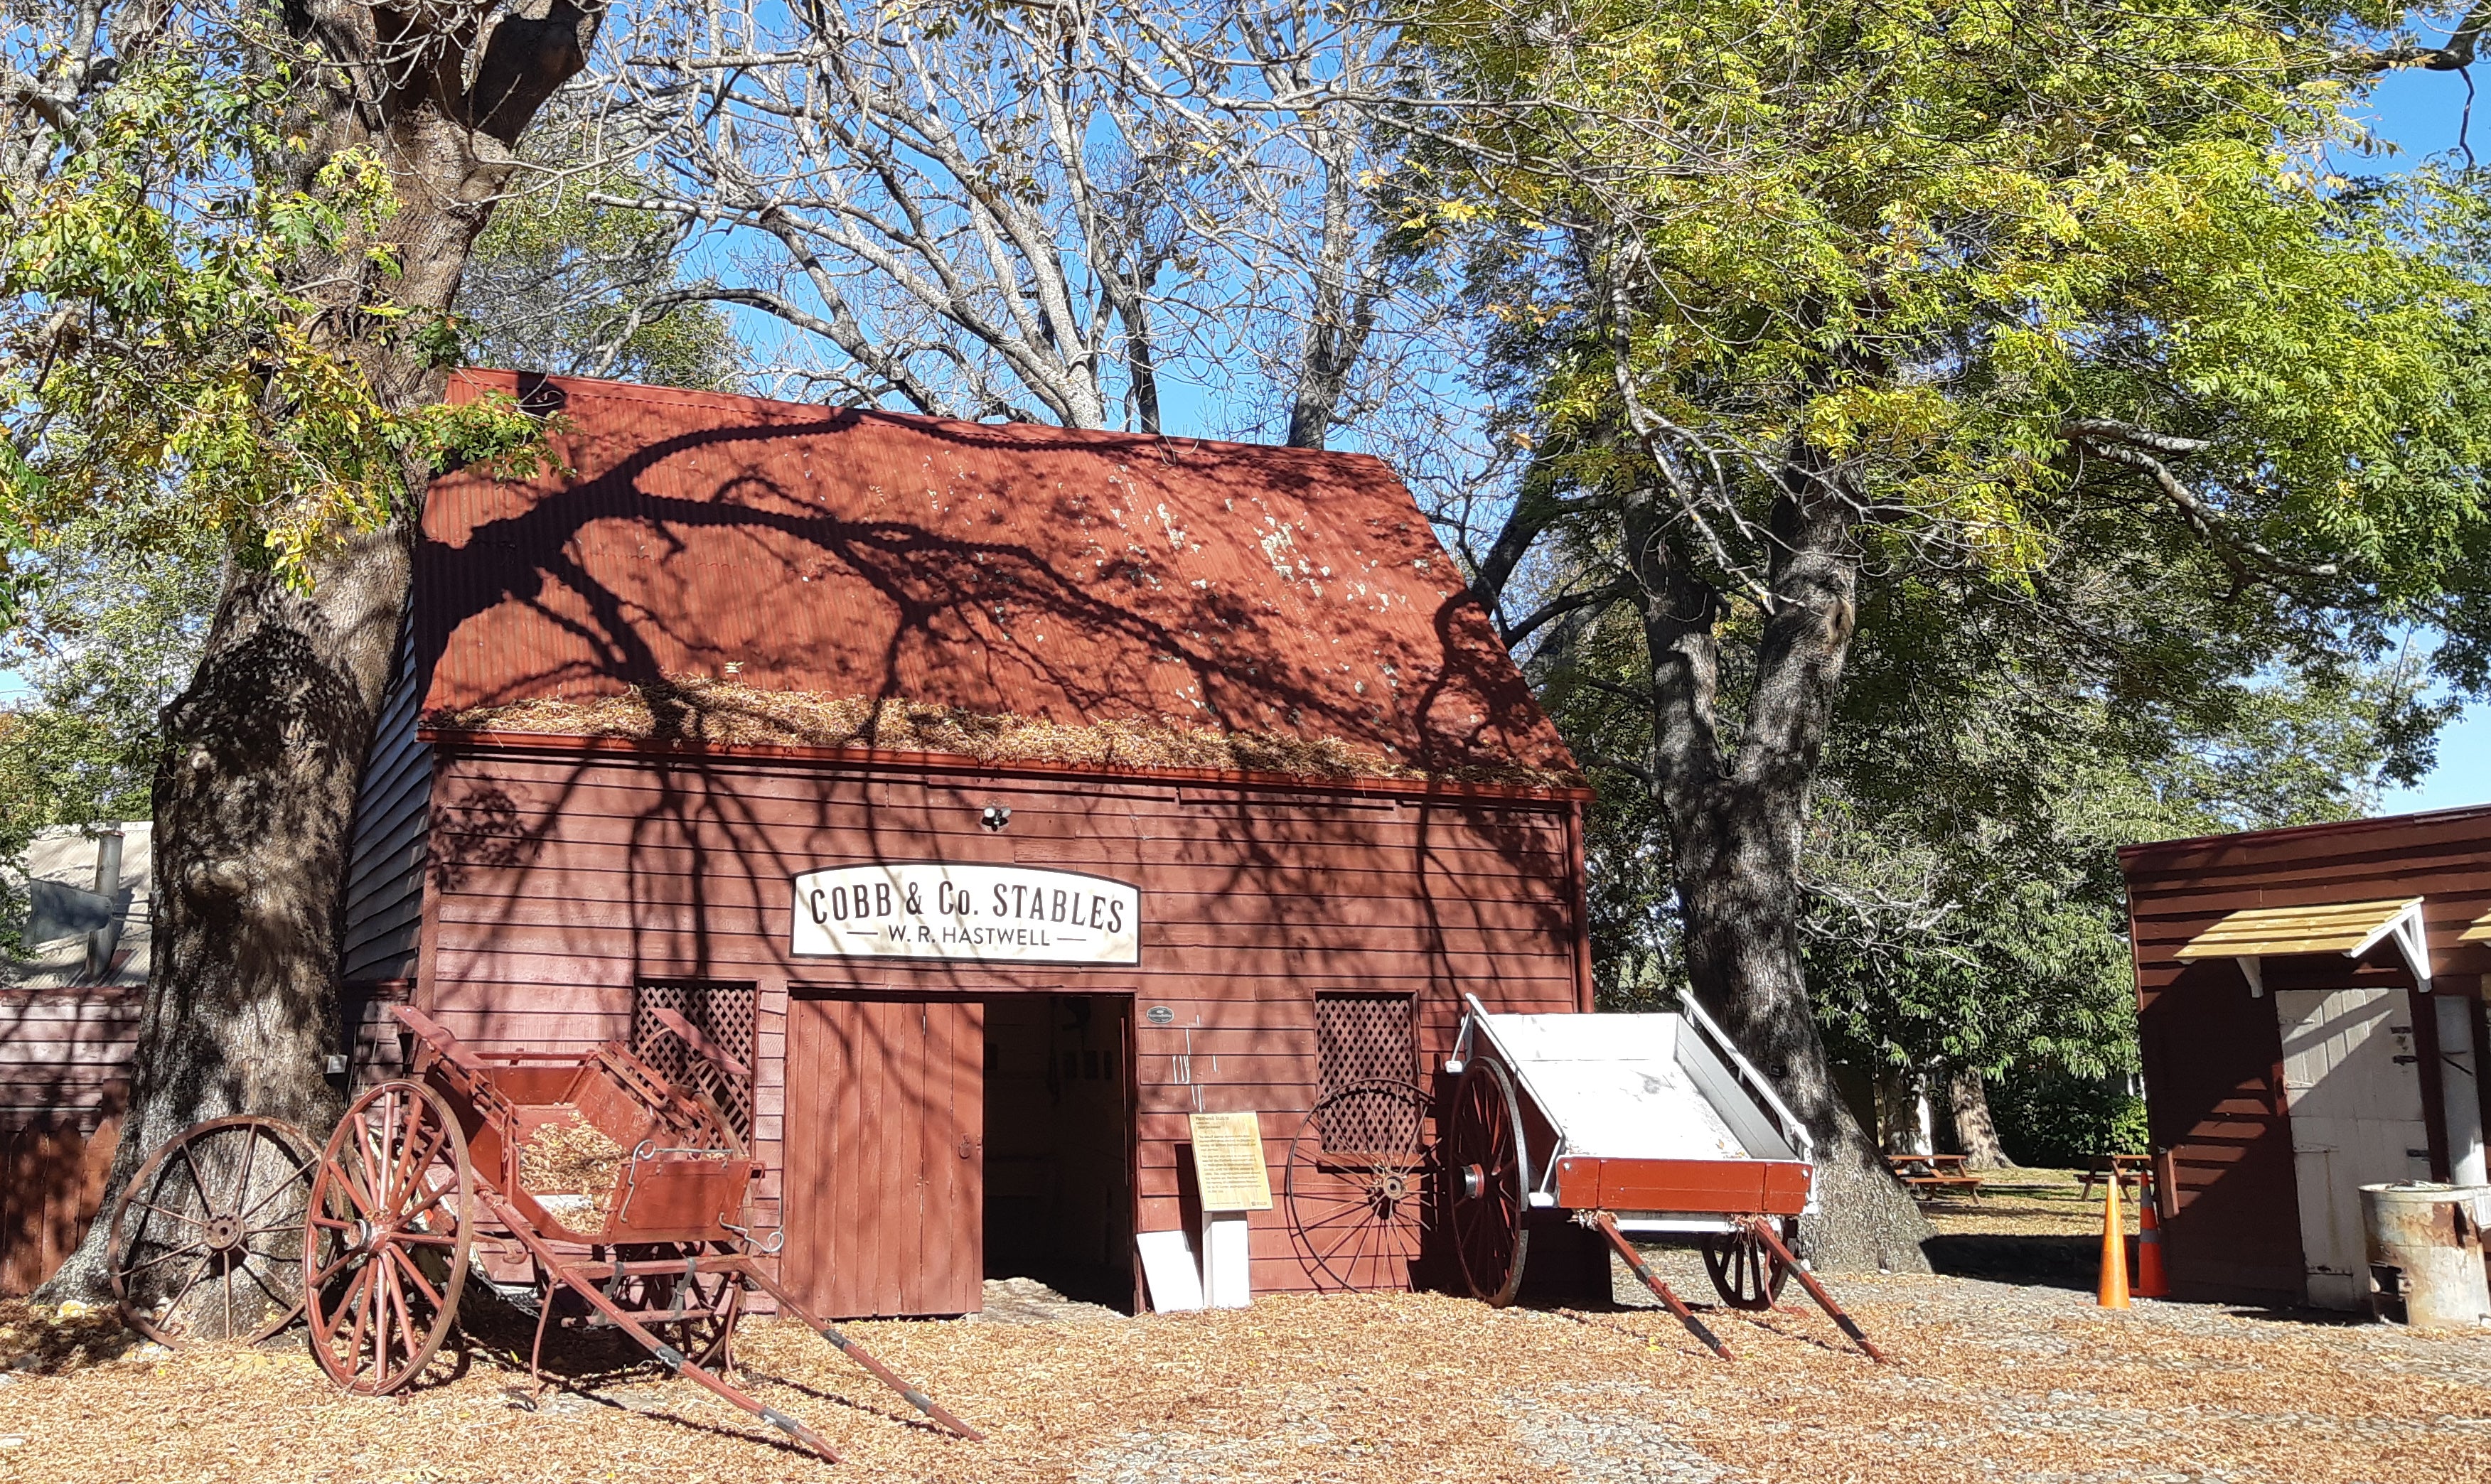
1484 1176
708 1338
709 1303
388 1255
1744 1271
1359 1185
207 1240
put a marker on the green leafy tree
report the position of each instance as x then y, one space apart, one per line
118 596
1951 944
2026 306
230 238
108 640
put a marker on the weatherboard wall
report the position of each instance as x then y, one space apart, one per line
2212 1052
385 861
561 876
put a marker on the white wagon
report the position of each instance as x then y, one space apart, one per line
1646 1125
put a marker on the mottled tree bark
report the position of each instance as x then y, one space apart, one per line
1975 1134
1735 814
256 798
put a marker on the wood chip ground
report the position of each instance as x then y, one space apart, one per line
1991 1382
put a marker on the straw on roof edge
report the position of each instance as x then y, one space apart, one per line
728 713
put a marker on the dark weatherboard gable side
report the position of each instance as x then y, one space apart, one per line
385 859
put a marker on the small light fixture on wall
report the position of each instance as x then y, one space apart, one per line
995 817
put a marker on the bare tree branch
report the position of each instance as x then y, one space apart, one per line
2135 448
1558 607
2456 54
1069 206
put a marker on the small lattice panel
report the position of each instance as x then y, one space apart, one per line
1364 1039
722 1013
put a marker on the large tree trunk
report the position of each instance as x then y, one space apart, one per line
1900 1128
255 796
1975 1134
1340 318
1735 822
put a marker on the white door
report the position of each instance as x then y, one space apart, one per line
2353 1091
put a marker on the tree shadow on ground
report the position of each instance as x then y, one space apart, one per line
40 1341
2034 1261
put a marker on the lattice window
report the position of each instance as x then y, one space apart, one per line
1360 1038
725 1014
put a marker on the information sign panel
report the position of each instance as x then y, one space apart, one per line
1228 1162
991 914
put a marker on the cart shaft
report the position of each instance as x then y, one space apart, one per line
672 1359
1764 1230
1608 1227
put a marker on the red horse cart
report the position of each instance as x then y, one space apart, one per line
608 1190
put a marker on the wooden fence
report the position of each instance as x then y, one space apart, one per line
51 1180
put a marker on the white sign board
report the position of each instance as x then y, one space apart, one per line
994 913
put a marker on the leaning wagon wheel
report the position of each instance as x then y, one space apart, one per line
1360 1182
1744 1271
388 1255
1483 1178
207 1240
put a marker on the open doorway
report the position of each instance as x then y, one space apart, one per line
1059 1144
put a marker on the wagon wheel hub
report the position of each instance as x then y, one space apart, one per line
1473 1182
223 1232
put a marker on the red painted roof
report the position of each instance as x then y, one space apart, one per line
1003 568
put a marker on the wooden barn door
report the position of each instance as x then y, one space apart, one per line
885 1156
2355 1102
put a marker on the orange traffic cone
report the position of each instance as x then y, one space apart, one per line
2150 1282
2112 1291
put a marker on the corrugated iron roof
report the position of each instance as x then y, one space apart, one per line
66 854
1076 577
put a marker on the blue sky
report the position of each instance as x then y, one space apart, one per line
2424 114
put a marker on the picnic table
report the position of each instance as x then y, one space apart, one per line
1928 1174
2129 1168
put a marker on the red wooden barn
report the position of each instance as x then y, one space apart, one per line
2311 1015
1005 794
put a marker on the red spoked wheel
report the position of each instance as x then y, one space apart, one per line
706 1306
386 1258
207 1240
1483 1179
1744 1271
694 1311
1361 1184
